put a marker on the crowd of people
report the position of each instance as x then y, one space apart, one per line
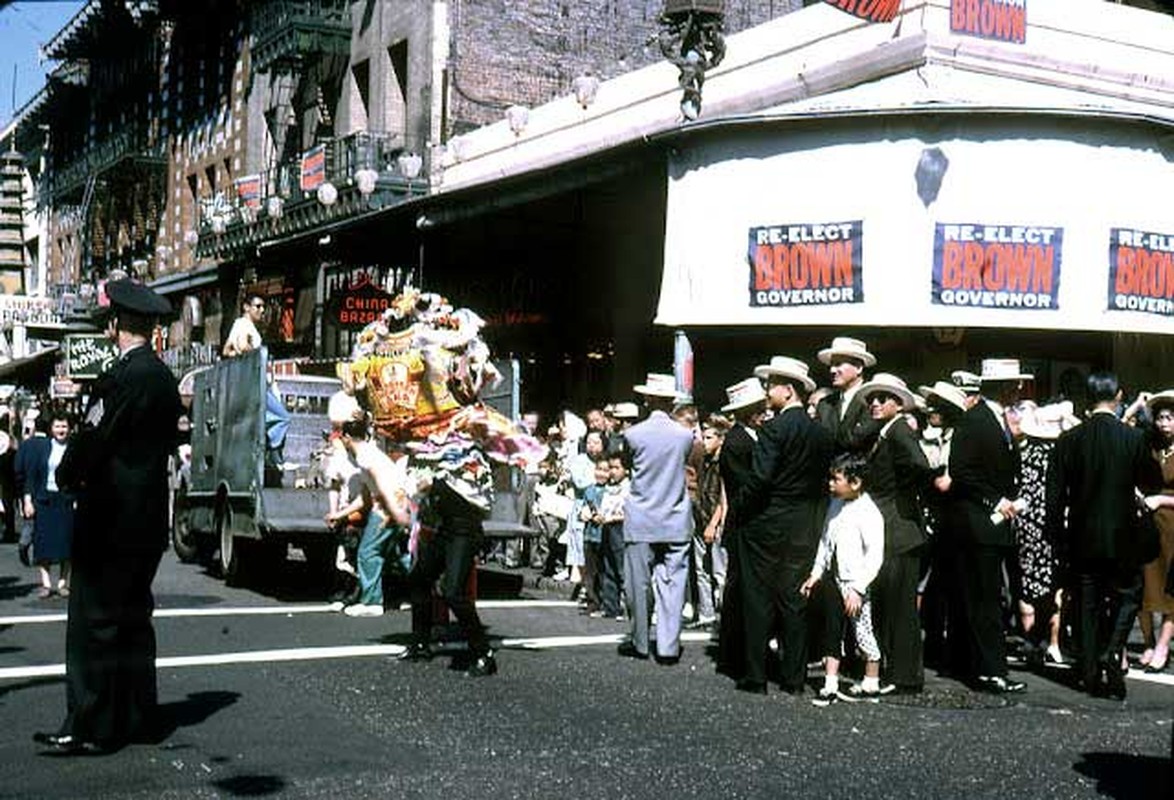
880 527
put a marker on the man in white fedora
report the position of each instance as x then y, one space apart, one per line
780 514
984 469
747 405
840 412
658 523
898 475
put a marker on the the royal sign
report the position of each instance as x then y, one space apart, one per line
871 10
1141 271
806 264
997 266
87 355
1004 20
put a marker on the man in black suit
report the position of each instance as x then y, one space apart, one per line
1093 479
984 465
117 464
780 515
841 412
747 404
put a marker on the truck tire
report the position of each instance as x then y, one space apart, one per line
183 540
233 550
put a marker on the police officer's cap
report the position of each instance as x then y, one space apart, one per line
136 298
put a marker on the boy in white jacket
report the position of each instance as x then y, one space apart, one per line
852 547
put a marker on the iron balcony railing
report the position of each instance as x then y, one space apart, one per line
288 31
127 143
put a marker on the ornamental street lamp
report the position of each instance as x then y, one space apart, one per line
690 37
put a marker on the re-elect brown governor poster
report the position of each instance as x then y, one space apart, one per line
806 264
997 266
1141 271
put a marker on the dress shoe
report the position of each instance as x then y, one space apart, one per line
482 666
68 744
668 661
628 650
997 684
23 553
750 687
416 652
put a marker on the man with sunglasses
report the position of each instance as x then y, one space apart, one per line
244 335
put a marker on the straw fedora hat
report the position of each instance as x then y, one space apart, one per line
744 394
1162 398
945 391
659 385
846 346
625 410
1002 369
888 384
784 367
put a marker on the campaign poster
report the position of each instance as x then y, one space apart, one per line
806 264
979 265
313 168
248 190
871 10
1141 271
1001 20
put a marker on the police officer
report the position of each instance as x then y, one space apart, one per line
118 467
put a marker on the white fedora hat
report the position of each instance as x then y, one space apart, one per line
846 346
658 384
968 382
625 410
1002 369
784 367
884 382
945 391
744 394
1163 398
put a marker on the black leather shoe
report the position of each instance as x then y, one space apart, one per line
416 652
750 687
68 744
628 650
23 555
668 661
482 666
997 684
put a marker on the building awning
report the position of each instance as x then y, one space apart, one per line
186 281
30 368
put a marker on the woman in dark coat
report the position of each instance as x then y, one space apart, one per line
50 509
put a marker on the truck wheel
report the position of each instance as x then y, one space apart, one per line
185 543
232 557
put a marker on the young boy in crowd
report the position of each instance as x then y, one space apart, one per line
593 536
611 513
852 550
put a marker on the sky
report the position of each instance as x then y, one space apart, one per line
24 27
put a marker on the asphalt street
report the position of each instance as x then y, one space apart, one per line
270 692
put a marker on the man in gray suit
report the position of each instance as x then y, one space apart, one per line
658 523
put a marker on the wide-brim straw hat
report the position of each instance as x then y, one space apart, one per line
944 391
784 367
888 384
1162 398
847 346
744 394
1002 369
659 385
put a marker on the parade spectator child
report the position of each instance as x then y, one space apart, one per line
593 536
852 549
611 513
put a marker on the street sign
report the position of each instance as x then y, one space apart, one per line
88 354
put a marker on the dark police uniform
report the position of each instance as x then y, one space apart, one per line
118 466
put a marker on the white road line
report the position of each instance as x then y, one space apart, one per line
323 608
342 651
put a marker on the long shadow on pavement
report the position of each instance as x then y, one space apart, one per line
1121 775
198 707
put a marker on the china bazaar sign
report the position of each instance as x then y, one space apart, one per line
806 264
1141 271
357 305
997 266
1004 20
871 10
